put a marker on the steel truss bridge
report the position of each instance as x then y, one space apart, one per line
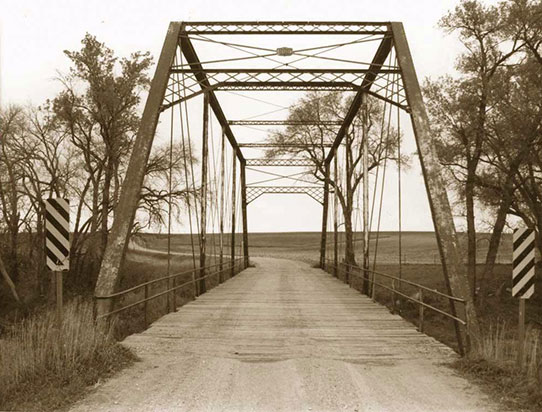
181 76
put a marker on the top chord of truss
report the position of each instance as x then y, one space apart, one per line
285 27
285 122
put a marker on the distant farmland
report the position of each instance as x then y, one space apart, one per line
417 247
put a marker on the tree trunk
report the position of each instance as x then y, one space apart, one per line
95 206
106 196
40 247
349 254
471 228
495 239
8 280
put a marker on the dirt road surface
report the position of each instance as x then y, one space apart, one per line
285 337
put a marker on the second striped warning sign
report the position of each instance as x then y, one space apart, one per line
57 237
523 263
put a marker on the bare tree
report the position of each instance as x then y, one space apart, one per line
382 143
459 107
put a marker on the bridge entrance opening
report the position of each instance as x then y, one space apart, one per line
208 71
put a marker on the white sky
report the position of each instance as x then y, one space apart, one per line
35 33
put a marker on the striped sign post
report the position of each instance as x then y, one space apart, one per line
523 278
57 244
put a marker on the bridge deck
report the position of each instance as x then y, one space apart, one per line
284 336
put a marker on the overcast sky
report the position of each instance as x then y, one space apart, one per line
35 33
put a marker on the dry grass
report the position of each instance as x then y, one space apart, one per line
499 345
493 362
43 368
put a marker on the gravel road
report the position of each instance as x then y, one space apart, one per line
285 337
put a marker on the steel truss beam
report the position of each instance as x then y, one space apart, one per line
299 145
293 27
286 86
316 192
130 195
378 60
280 162
193 80
284 123
234 73
192 58
173 97
441 212
193 88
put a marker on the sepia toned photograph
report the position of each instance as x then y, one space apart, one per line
288 205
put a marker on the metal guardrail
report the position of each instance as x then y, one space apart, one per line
358 272
233 267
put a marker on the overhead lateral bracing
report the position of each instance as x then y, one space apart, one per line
285 27
279 162
284 145
316 192
195 83
284 123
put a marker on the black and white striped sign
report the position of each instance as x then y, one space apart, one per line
57 238
523 265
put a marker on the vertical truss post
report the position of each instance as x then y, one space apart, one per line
115 251
221 223
204 160
454 273
335 215
233 207
244 212
348 258
365 165
324 218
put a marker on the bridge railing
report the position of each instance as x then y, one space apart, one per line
216 270
418 298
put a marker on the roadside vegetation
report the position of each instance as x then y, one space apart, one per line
44 368
75 145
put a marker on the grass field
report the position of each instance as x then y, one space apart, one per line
417 247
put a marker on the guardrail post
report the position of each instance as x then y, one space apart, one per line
373 286
421 310
466 347
393 296
244 213
168 306
174 294
145 307
194 283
